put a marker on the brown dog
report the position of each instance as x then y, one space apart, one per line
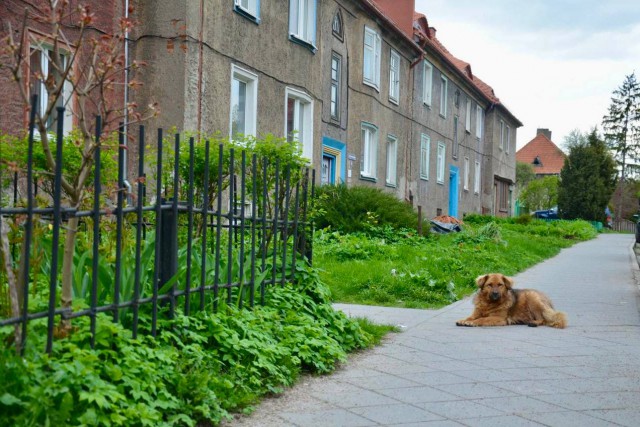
497 304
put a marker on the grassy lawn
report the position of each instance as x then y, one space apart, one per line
388 268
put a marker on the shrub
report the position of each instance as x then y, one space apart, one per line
359 208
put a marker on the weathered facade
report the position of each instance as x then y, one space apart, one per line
364 85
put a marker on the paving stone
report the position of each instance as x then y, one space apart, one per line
396 414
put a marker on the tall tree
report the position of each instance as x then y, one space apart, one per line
622 127
587 180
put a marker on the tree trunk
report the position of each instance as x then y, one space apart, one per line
66 297
11 278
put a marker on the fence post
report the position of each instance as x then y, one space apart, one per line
168 245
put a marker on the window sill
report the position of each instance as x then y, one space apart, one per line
444 116
368 178
246 14
394 101
303 43
371 84
440 182
428 106
390 185
422 178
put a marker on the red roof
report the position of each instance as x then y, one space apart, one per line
550 159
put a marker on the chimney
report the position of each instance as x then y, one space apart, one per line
400 12
545 132
432 32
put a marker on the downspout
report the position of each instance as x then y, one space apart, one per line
200 66
126 103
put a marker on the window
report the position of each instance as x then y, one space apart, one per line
41 66
502 135
394 77
336 25
456 98
508 139
443 96
244 95
479 121
248 8
440 163
369 151
466 174
425 154
427 82
299 120
336 64
371 63
392 160
476 178
456 145
467 119
302 21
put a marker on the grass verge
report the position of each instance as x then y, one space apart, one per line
404 270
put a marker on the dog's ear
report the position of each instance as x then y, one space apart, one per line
508 281
480 280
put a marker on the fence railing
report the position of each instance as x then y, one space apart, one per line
624 226
222 225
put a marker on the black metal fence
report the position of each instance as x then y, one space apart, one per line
221 226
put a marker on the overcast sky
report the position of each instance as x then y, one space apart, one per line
553 63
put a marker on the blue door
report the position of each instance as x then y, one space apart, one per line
453 191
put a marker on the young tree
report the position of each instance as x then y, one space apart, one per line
541 193
85 67
587 180
622 127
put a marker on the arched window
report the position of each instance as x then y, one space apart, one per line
336 25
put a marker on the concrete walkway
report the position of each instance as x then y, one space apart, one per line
437 374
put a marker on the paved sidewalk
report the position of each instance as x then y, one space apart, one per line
437 374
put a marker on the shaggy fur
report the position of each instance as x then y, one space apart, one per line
498 304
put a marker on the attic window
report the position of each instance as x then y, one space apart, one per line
537 162
336 25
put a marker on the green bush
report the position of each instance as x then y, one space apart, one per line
351 209
198 369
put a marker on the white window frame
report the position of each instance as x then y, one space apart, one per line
425 156
303 29
502 135
372 55
251 102
508 146
250 8
427 82
335 77
394 77
479 121
467 119
45 50
466 174
444 89
369 163
476 180
440 162
303 112
392 160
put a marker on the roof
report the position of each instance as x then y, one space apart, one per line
426 36
550 157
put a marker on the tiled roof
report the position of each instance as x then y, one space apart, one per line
550 157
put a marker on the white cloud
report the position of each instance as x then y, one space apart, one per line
557 75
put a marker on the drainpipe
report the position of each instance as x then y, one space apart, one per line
126 102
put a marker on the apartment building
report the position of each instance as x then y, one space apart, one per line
364 86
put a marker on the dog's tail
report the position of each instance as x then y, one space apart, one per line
555 319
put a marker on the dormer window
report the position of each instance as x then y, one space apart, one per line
336 25
537 161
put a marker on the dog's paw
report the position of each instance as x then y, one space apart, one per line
532 325
464 323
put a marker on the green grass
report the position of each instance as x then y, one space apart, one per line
376 331
431 272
